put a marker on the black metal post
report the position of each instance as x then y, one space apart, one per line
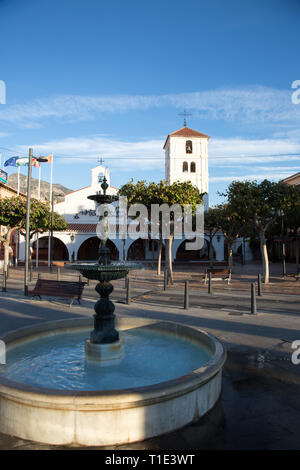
253 299
210 291
259 286
186 295
128 292
4 281
27 239
166 279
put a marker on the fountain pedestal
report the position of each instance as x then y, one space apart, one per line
104 345
104 354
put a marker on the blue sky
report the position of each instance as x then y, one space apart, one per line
90 78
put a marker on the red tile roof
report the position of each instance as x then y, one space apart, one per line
186 132
81 228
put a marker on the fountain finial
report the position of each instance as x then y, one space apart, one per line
104 185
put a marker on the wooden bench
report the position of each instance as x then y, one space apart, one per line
218 274
53 288
295 276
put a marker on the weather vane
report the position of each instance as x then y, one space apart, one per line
185 114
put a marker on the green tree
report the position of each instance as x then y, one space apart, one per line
259 204
181 193
228 221
13 217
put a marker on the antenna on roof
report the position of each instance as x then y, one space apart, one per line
185 114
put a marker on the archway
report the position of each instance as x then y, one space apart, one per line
60 251
137 250
185 255
89 249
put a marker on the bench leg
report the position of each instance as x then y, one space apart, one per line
37 295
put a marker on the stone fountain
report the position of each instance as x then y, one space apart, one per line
160 376
104 344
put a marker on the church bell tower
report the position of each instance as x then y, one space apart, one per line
186 159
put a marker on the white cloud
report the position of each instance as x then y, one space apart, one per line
266 155
251 104
272 175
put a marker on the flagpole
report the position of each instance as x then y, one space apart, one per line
50 199
27 239
17 231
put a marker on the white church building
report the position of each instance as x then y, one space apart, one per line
186 159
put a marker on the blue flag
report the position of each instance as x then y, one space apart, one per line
11 161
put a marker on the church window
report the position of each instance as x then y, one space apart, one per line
189 146
193 167
185 167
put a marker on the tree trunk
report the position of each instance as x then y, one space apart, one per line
297 253
264 255
210 251
229 249
169 263
159 257
6 245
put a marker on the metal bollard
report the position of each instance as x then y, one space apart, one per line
4 281
186 296
253 299
210 290
128 291
166 279
259 286
58 273
125 281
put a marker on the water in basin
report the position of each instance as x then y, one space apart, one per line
58 361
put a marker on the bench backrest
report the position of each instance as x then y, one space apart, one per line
217 271
66 286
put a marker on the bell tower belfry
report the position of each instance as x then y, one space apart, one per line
186 159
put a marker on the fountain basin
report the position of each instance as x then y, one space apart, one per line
109 417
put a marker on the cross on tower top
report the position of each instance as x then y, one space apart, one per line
101 160
185 114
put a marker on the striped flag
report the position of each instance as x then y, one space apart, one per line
47 159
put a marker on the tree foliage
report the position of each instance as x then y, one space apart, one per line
13 217
182 193
261 205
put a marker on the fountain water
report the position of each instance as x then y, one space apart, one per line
162 377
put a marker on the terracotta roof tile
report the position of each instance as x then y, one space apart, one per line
186 132
81 228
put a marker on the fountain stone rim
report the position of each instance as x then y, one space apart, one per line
200 376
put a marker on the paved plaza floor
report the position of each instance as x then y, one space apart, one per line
260 403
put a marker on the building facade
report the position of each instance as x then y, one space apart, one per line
186 159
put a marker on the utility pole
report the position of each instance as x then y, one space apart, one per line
27 239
